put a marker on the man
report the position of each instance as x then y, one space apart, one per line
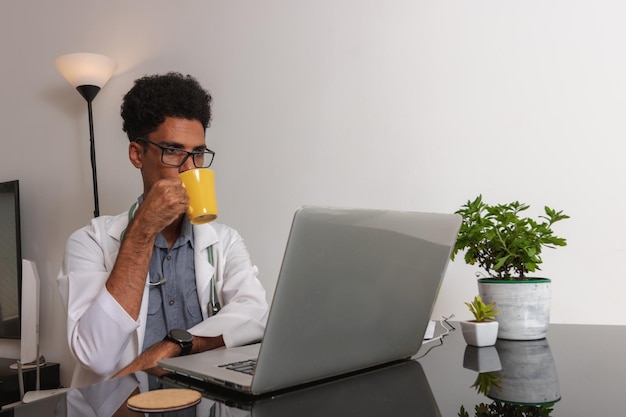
138 285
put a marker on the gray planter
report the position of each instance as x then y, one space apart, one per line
524 306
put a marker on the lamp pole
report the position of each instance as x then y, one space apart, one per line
88 73
89 92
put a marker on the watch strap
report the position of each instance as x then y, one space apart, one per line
185 348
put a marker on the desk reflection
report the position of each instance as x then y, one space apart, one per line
520 376
398 389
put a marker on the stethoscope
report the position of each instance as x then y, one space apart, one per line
213 307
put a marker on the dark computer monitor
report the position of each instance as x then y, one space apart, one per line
10 261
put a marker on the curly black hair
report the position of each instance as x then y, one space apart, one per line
155 97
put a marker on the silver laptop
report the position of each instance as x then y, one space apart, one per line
356 289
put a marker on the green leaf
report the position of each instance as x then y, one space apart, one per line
500 262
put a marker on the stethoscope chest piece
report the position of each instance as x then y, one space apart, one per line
213 308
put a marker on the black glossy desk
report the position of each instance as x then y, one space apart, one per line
577 371
585 365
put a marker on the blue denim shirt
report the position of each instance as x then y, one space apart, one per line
173 304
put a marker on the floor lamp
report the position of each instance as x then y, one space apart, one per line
88 73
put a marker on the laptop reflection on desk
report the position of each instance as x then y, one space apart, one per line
397 389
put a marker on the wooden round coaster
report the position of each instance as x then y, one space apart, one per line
163 400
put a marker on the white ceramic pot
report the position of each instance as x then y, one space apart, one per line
524 306
480 334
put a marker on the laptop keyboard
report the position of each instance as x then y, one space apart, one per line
247 366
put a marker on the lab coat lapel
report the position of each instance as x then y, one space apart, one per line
204 236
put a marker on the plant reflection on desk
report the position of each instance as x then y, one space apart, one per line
526 386
486 380
500 409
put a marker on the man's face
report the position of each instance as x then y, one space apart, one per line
173 132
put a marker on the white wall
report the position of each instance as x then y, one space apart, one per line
413 105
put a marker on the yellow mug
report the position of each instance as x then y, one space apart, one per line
200 186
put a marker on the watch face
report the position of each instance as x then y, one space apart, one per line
180 334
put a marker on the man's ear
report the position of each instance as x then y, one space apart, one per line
135 154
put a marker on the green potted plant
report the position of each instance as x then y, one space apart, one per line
483 330
508 247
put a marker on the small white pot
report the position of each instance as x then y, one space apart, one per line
480 333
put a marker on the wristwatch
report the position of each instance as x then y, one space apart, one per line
182 338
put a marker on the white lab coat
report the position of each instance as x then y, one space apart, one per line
103 338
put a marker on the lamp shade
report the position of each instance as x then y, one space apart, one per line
86 68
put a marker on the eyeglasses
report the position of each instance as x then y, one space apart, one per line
176 157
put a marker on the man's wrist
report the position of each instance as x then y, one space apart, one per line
140 231
182 338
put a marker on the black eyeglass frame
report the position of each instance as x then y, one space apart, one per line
193 154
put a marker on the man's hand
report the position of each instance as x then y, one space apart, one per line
167 349
148 359
162 205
